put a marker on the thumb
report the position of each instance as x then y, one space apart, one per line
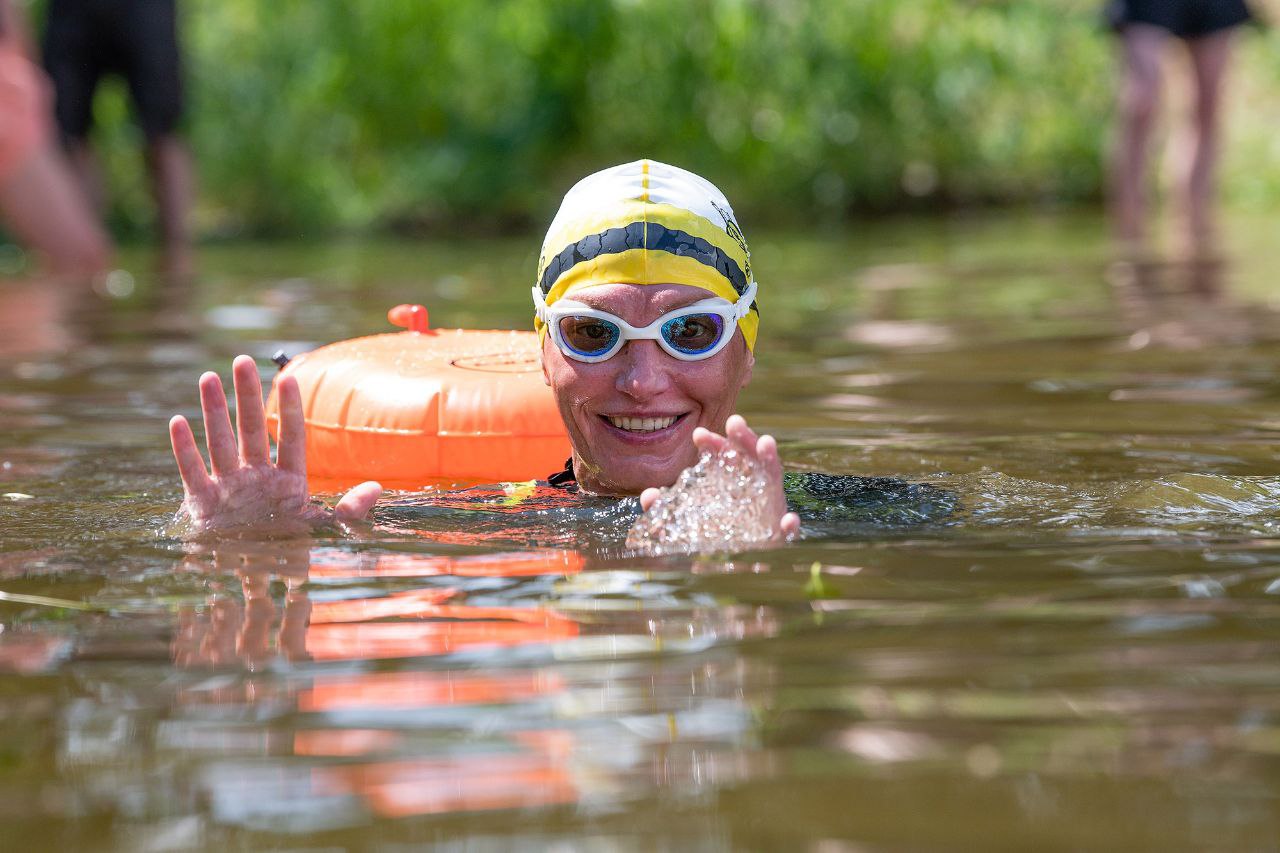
355 504
647 498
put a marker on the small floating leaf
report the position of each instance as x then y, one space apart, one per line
71 604
816 586
46 601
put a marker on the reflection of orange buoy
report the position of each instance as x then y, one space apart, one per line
425 689
337 563
472 781
455 628
424 405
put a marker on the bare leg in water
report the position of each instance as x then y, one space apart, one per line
1142 50
84 163
42 206
172 186
1210 56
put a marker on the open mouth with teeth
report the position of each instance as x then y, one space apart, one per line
642 425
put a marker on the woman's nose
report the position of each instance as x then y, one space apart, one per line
643 370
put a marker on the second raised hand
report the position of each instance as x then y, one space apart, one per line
761 450
243 491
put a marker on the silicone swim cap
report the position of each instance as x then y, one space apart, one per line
646 223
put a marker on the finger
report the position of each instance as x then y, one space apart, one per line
740 435
648 497
294 564
217 425
224 630
790 526
251 419
767 453
355 504
255 585
292 639
709 442
195 479
254 641
291 452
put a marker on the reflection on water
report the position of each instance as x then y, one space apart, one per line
1084 655
1179 305
281 698
402 742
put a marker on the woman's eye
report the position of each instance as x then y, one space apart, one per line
587 334
692 329
693 333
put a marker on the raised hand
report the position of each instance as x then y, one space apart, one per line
245 491
760 450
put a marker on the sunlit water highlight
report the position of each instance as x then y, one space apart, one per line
1080 652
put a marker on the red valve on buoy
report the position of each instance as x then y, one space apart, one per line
411 317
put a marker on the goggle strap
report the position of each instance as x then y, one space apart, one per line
743 306
539 304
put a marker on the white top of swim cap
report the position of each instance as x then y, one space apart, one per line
648 181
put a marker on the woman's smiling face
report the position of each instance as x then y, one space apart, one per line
631 417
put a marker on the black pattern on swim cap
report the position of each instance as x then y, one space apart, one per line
660 238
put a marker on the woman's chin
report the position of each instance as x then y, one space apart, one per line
636 476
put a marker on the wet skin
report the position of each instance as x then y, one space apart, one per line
641 381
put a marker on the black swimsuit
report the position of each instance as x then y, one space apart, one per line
1186 19
554 513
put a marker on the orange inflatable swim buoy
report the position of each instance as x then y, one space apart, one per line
425 405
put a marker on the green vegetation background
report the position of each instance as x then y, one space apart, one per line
316 116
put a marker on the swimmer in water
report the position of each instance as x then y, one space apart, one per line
646 308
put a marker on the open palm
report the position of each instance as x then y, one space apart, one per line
243 490
761 450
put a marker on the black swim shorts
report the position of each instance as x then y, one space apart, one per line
86 40
1186 19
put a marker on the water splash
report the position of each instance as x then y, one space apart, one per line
716 505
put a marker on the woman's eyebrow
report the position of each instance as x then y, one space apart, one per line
681 300
664 303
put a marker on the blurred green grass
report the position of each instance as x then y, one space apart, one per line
312 117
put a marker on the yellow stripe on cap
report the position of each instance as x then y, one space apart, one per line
638 266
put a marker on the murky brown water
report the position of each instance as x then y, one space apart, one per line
1086 658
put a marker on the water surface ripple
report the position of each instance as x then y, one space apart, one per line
1084 654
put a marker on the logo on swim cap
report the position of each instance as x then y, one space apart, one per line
735 233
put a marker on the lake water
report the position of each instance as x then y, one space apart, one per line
1086 656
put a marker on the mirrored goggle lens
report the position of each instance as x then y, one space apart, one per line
588 335
694 334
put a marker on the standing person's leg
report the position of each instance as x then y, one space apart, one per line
40 204
1142 47
1210 57
173 187
43 207
84 164
148 41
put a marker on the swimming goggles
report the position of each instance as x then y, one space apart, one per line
691 333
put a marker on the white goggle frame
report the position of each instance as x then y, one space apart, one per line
729 312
